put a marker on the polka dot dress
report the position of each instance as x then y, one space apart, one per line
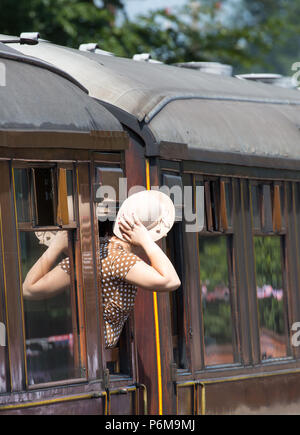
118 296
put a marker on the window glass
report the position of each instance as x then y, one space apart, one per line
255 199
52 344
118 359
107 177
43 184
216 300
21 179
215 203
267 223
174 252
229 202
54 350
70 195
282 206
270 295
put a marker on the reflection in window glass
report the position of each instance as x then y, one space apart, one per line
270 294
218 330
21 179
229 203
52 347
44 196
267 223
108 176
255 199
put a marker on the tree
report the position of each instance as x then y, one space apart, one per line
197 32
251 35
278 23
66 22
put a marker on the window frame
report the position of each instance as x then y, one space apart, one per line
223 229
76 292
279 229
127 338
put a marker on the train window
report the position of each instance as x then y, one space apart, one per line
174 249
218 204
268 207
22 191
54 350
118 359
108 177
279 207
216 299
271 297
268 213
43 194
216 273
255 200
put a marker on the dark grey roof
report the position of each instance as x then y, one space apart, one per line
37 96
205 112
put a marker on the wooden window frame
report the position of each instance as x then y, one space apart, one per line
223 229
117 159
76 293
278 230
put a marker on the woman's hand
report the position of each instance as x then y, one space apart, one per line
61 242
134 231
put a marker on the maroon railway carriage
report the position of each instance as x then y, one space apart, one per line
226 341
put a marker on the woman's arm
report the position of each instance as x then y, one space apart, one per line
161 275
43 280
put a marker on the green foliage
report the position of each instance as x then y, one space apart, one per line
268 261
278 23
213 261
269 272
214 274
66 22
250 35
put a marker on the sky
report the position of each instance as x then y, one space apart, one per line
136 7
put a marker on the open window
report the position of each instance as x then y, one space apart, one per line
45 200
172 182
109 186
268 203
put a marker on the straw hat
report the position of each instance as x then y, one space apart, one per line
155 210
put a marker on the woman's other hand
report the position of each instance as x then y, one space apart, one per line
134 231
161 275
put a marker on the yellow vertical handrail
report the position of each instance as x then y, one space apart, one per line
156 321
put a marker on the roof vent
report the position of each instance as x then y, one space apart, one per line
93 47
271 79
29 38
145 57
208 67
25 38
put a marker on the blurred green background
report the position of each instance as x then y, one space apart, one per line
251 35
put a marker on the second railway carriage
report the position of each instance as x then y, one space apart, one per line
227 340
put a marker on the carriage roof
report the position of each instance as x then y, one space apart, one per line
38 96
204 117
